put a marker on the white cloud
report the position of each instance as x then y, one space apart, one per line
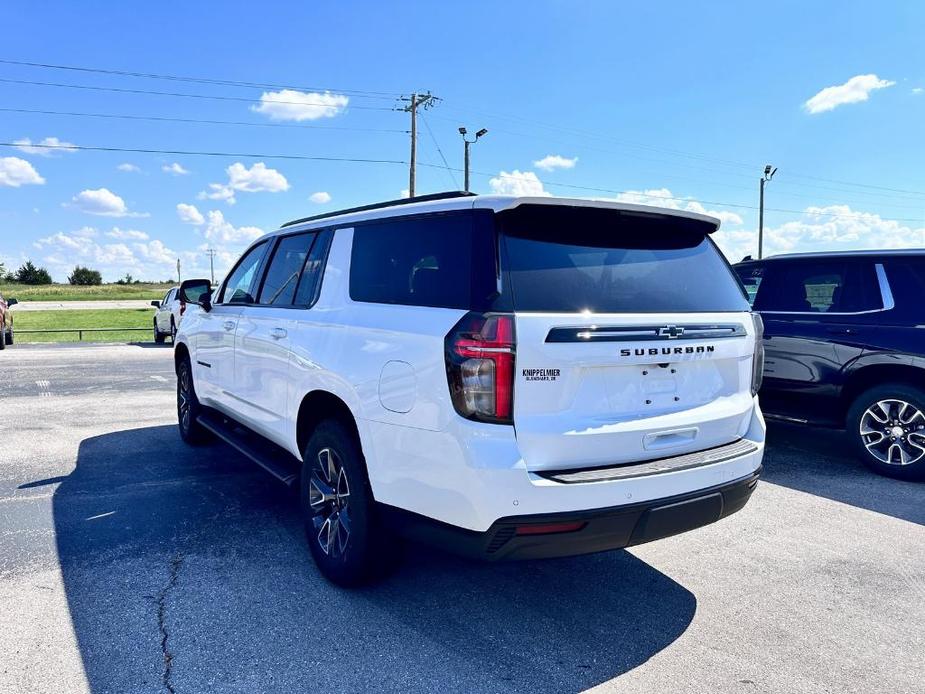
320 197
520 183
102 202
128 168
15 172
918 90
143 258
127 234
189 214
405 193
174 169
258 178
552 162
53 145
289 104
855 90
220 230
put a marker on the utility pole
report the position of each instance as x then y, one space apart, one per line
466 143
179 278
768 175
426 100
211 253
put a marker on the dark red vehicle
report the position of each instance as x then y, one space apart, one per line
6 321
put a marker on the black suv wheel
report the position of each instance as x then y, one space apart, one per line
348 545
887 426
188 407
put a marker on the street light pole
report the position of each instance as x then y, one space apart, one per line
768 175
466 143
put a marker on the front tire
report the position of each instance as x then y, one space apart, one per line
173 332
188 406
3 339
886 425
345 538
9 336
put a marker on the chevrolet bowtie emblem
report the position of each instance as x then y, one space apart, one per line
671 331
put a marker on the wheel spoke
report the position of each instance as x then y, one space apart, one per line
319 492
884 410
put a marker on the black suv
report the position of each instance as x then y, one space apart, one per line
845 346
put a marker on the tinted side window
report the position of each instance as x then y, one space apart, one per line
818 287
310 280
751 277
240 283
417 262
906 277
279 285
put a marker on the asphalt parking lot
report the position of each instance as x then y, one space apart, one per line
131 563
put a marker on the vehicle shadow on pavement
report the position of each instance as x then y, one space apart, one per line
821 462
186 570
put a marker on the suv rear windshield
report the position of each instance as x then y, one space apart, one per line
573 259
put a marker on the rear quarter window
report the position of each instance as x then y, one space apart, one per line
443 261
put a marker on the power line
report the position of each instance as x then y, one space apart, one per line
446 164
201 120
215 97
242 155
200 80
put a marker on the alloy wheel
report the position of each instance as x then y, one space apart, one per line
183 398
329 498
893 432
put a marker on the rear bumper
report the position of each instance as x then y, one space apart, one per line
600 529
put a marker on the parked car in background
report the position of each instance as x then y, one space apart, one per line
510 378
6 321
167 317
845 347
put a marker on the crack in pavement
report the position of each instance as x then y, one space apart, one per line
175 564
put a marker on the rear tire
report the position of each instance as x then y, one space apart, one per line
9 336
3 339
886 425
173 332
344 534
188 406
158 335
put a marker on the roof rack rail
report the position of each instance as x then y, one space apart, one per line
378 205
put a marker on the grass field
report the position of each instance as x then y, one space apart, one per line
67 292
99 318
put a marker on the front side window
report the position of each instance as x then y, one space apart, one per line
240 283
282 277
810 286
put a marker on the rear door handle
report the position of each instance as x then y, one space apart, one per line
278 333
228 325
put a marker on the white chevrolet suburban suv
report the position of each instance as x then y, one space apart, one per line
505 377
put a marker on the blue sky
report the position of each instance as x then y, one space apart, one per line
679 104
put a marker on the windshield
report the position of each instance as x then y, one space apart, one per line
573 259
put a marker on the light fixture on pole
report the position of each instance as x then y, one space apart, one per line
466 143
768 175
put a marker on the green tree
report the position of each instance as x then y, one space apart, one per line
85 276
29 274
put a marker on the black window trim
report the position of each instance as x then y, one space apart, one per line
886 296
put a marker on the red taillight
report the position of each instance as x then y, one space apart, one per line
480 367
182 307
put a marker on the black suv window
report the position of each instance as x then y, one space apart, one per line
427 261
282 277
239 286
572 259
810 286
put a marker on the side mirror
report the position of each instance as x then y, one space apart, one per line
11 302
197 292
156 304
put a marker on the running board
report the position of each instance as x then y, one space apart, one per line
267 455
784 418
